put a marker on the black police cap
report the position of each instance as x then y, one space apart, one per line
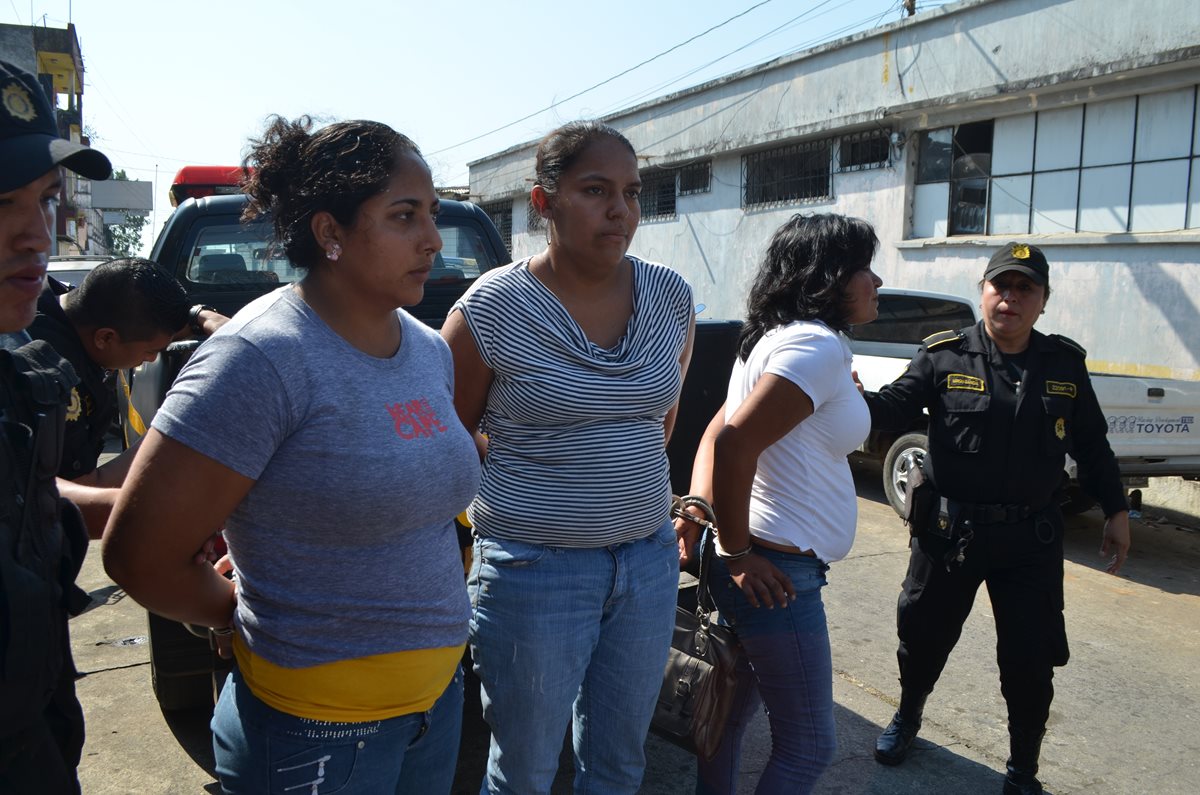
1020 257
29 141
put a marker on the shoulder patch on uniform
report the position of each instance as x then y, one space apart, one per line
1069 344
75 406
941 338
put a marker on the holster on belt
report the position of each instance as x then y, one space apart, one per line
925 511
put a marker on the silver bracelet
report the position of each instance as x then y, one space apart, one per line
735 555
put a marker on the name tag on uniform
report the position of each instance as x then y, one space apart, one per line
969 382
1065 388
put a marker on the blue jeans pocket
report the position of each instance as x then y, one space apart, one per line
665 534
507 552
299 767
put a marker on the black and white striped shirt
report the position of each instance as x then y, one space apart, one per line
575 431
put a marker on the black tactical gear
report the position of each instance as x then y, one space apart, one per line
1000 428
42 545
93 405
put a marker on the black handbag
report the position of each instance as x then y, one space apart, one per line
700 680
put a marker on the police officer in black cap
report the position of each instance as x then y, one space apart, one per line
1006 405
42 539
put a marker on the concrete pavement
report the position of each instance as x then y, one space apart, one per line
1122 720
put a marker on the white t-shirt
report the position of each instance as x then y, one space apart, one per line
803 492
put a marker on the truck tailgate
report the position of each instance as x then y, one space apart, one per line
1149 418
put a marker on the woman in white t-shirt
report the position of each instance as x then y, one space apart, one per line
773 464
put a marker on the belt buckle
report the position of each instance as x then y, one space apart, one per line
1018 513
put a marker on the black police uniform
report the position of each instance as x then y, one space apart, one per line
42 546
93 406
999 429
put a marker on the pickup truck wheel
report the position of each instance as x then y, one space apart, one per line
905 453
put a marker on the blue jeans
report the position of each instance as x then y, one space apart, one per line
262 750
790 670
559 632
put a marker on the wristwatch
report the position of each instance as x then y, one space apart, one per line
194 317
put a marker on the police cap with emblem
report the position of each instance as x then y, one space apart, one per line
29 141
1022 258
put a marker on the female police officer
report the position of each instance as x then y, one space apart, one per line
1006 404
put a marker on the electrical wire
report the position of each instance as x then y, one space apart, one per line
632 99
620 104
605 81
871 21
103 96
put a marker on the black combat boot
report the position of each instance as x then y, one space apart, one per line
1025 746
892 746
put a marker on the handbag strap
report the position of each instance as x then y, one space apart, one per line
704 601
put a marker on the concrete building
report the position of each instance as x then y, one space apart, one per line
1070 123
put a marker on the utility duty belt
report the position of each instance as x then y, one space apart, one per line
929 512
987 513
944 514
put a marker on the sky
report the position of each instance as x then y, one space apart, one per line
169 84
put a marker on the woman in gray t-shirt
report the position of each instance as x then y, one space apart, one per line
318 428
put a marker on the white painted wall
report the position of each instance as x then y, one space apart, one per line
1133 300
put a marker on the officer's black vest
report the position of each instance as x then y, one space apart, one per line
42 537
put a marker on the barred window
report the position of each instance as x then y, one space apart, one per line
501 214
658 193
695 178
863 150
787 173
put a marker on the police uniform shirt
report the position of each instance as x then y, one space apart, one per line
93 402
999 432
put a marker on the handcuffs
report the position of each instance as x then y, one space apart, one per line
708 522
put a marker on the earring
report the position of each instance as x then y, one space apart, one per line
333 252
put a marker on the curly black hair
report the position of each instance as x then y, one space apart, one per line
292 173
804 274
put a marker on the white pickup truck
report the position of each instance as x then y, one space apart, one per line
1151 421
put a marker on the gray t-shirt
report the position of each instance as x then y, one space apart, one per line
345 546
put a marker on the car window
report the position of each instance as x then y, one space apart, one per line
237 254
73 269
71 277
910 319
463 256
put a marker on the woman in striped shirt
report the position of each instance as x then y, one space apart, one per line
571 363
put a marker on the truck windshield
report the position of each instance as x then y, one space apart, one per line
243 254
